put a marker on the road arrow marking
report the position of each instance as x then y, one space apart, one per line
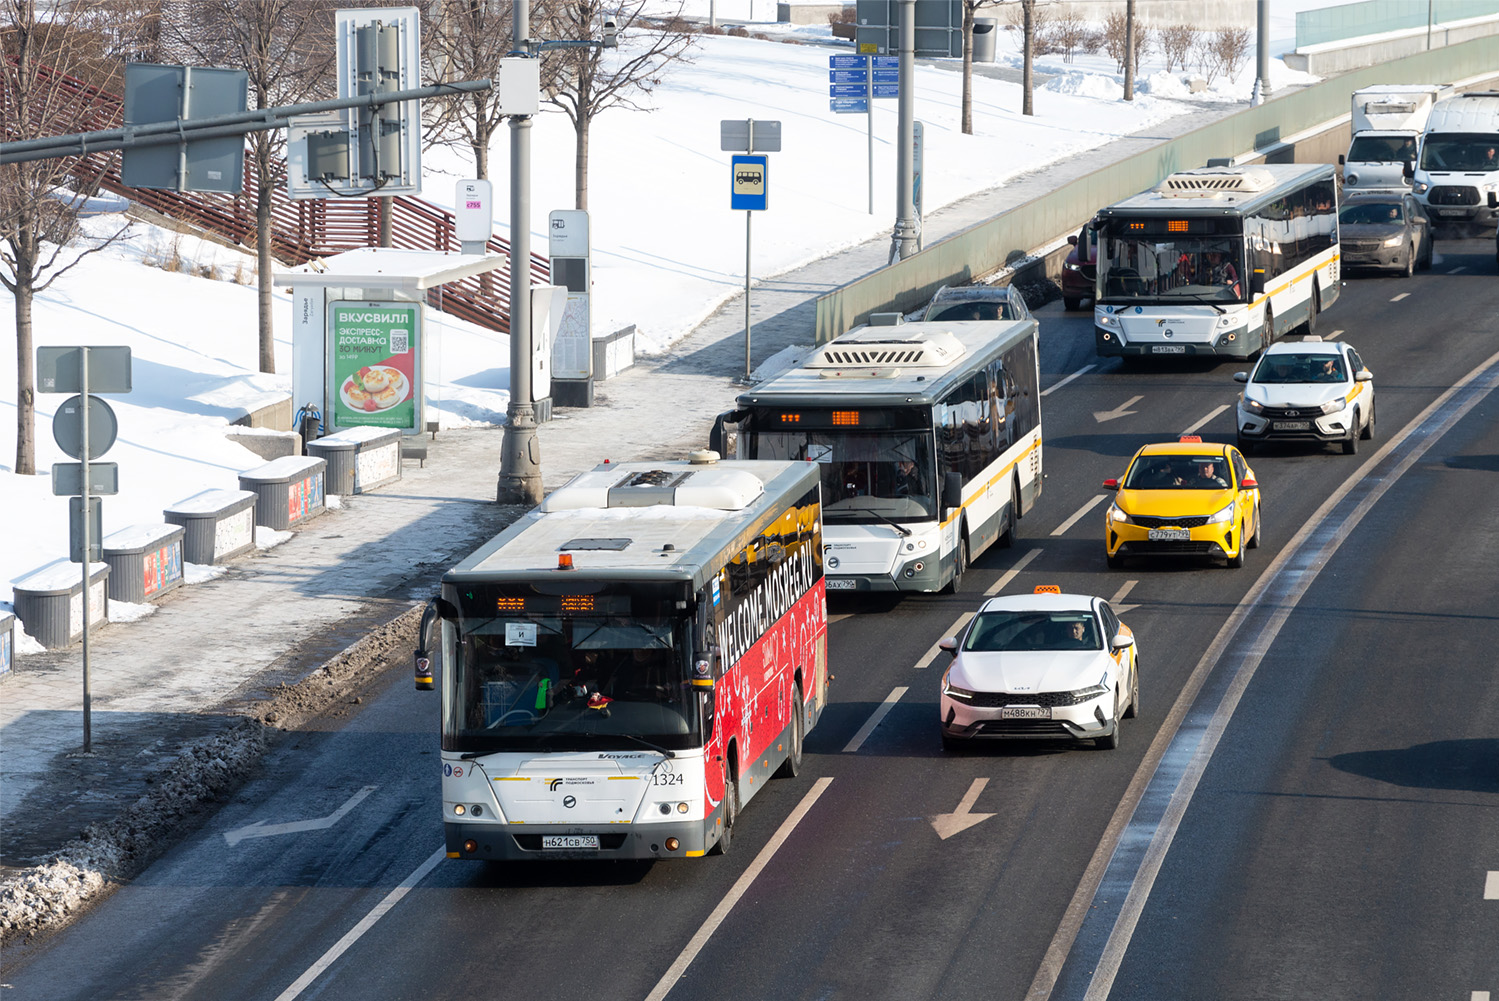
260 829
948 824
1120 411
1120 595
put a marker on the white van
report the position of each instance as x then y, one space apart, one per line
1387 122
1457 175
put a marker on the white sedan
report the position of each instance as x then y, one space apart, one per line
1041 666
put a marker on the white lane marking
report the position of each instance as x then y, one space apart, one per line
741 886
260 829
948 824
1123 410
365 924
1194 427
1012 573
1460 267
931 654
1326 337
1491 886
1062 528
832 617
1083 898
1056 385
1475 996
1397 298
875 719
1120 595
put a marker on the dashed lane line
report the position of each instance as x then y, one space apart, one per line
1192 429
1059 384
875 718
1402 295
1491 886
1078 516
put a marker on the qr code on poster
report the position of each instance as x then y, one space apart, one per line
400 341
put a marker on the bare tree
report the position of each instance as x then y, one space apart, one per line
970 9
1175 43
1222 52
1070 32
1032 20
39 208
287 48
585 82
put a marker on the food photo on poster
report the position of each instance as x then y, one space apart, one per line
374 348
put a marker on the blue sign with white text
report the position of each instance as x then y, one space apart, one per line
849 105
847 62
848 76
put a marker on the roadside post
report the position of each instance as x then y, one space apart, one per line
84 428
854 82
748 188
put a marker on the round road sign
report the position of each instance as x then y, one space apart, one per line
67 427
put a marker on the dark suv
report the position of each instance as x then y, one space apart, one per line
1080 269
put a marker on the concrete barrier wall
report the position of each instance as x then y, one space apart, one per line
1284 129
1340 57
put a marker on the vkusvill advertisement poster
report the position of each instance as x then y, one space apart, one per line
375 376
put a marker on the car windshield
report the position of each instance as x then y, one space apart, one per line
1371 213
1007 631
988 309
1294 368
1178 472
1460 151
1382 149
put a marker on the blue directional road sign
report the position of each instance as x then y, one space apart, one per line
887 90
747 183
848 62
848 76
886 76
849 105
886 62
848 89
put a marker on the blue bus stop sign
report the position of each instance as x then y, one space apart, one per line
747 182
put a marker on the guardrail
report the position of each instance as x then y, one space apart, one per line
302 229
988 246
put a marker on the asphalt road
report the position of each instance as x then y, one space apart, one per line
1315 767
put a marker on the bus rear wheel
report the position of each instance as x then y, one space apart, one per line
792 766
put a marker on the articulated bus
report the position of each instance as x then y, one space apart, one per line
627 664
1217 261
927 437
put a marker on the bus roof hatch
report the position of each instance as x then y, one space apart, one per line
883 349
1206 182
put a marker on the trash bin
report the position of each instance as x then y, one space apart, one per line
985 39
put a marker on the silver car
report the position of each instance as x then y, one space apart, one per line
1384 230
977 302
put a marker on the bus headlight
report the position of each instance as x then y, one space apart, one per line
1107 320
1226 320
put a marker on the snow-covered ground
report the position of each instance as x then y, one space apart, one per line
667 249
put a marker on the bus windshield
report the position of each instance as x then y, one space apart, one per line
594 671
1460 151
1171 270
866 476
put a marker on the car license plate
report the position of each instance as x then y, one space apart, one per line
1168 349
1293 425
839 583
1461 212
1169 535
569 841
1024 712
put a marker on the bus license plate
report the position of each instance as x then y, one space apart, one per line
1024 712
839 583
1168 349
569 841
1169 535
1293 425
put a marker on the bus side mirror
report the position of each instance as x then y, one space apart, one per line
436 610
1257 282
719 437
952 490
1409 170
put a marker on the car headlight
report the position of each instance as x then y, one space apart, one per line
1219 517
1254 406
1071 267
1393 241
953 691
1108 320
1333 406
1117 515
1420 187
1091 692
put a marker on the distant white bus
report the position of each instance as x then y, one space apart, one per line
1217 261
928 439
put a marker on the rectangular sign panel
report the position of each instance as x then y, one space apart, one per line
848 76
57 370
887 76
886 90
748 188
847 62
95 532
734 134
886 62
103 479
848 89
849 105
374 375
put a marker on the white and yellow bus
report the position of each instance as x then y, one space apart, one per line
927 437
1217 261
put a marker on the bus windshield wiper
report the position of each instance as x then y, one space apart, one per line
903 530
639 740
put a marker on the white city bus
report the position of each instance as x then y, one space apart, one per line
627 664
928 439
1217 261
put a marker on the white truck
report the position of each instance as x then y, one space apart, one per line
1457 174
1387 124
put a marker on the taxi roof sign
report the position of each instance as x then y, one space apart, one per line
1190 437
1047 589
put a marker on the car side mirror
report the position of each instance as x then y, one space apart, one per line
1241 377
1122 641
1409 170
1111 484
1363 375
1494 200
1072 239
1342 159
1249 483
948 644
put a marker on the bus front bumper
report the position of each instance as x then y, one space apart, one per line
1228 344
924 574
512 842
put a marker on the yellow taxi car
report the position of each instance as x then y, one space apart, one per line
1184 498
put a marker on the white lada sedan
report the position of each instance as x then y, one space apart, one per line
1306 390
1041 666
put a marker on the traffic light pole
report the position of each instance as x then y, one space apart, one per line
520 451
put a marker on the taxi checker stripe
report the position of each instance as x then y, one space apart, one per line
1089 945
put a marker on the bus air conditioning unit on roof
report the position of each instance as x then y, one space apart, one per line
1211 181
883 355
718 487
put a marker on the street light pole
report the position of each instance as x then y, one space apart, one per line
520 452
904 238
